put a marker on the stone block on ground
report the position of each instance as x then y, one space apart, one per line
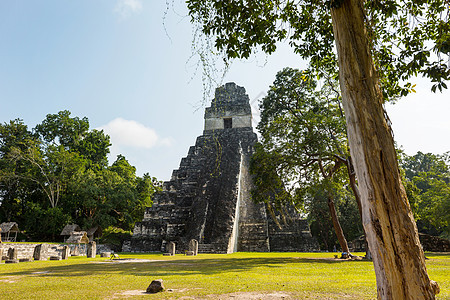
40 252
75 251
65 252
190 253
26 259
11 261
12 254
193 247
55 257
171 248
105 254
156 286
91 249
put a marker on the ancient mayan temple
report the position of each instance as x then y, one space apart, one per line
208 198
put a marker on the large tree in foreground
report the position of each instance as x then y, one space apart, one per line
375 45
303 132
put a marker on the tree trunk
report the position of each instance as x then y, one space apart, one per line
337 226
387 218
354 187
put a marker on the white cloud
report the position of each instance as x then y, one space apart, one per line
125 8
129 133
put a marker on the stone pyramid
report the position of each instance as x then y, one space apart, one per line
208 198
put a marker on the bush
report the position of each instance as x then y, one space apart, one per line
114 237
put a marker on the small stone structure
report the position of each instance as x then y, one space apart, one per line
68 229
91 250
105 254
12 256
40 252
65 253
75 251
78 237
193 247
208 198
171 248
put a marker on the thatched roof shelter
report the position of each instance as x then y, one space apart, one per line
94 232
69 228
78 237
6 229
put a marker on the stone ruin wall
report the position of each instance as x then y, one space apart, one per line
25 251
208 198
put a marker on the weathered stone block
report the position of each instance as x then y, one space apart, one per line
26 259
91 249
75 251
12 254
155 286
171 248
105 254
193 246
65 252
40 252
11 261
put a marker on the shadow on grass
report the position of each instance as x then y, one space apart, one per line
185 267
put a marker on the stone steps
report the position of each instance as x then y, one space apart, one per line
211 248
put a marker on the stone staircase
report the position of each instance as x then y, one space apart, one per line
253 237
212 249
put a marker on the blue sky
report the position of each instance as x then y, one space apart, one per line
119 63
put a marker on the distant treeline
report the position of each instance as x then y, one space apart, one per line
57 173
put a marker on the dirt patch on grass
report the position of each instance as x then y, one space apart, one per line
7 280
277 295
356 258
130 293
123 260
253 295
126 294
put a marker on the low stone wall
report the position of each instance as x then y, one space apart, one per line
26 251
434 243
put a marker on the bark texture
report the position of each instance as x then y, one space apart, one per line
387 218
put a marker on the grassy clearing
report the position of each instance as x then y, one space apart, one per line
298 275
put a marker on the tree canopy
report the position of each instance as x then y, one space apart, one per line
304 148
58 173
427 179
407 37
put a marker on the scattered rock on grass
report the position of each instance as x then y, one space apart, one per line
156 286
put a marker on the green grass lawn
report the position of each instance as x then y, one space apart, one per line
295 275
